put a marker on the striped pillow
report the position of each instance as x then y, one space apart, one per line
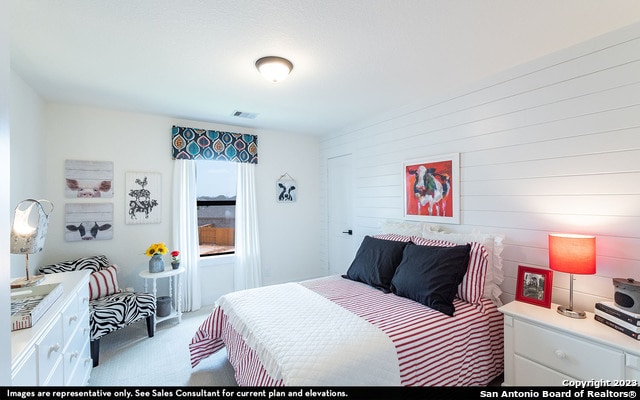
471 289
394 237
103 283
91 263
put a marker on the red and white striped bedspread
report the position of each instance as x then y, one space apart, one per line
433 349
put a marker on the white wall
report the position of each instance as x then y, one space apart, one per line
5 341
27 155
141 142
550 146
294 227
289 232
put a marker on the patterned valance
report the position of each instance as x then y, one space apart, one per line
201 144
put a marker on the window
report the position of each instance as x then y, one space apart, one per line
216 196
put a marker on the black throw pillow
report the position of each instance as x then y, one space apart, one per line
431 274
375 262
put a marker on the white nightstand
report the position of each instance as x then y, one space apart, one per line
175 285
544 348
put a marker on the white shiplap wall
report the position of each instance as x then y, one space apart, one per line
549 146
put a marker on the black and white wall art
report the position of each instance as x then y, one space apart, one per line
143 197
88 221
286 189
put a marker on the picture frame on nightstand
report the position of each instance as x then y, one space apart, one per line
534 286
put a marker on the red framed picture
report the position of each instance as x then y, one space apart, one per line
431 189
534 286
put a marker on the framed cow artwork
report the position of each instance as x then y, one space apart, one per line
431 189
88 221
143 198
286 189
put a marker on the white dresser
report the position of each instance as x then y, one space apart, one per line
55 351
544 348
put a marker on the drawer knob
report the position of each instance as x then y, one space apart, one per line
561 354
73 355
72 319
54 348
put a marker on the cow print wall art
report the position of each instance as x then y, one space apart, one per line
143 198
88 179
286 189
88 221
431 189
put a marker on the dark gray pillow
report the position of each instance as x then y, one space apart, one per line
375 262
431 274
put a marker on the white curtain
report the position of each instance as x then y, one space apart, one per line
185 230
248 271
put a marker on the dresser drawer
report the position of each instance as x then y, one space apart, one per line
72 315
26 374
566 354
70 320
80 375
73 353
49 350
83 298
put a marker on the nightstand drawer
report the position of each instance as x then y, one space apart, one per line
529 373
566 354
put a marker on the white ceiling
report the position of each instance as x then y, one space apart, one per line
353 59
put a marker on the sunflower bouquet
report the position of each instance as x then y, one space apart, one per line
156 248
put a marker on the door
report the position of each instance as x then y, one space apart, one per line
340 213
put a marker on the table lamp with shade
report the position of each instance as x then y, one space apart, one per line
28 232
573 254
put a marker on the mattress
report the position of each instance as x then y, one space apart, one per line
432 348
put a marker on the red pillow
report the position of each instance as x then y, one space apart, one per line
103 283
471 289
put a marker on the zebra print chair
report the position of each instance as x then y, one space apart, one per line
109 308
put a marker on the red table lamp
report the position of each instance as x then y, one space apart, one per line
574 254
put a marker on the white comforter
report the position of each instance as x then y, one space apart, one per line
300 338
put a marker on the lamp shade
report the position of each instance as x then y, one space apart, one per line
29 227
574 254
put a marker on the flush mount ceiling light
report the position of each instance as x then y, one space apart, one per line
274 69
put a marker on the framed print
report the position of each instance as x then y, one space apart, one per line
143 199
534 286
431 189
286 189
88 221
88 179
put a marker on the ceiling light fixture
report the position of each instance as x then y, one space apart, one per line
274 69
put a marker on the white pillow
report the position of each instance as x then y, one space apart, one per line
408 228
493 245
103 283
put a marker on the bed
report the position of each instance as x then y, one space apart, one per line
372 326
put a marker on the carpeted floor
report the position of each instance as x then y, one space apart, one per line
128 357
